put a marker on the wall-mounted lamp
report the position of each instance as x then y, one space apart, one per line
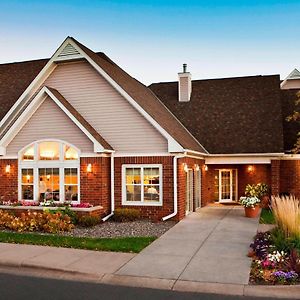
186 168
250 169
89 168
7 169
205 167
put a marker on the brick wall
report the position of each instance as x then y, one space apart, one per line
260 173
9 182
151 212
289 174
95 186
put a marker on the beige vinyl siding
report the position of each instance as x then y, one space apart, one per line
120 124
50 122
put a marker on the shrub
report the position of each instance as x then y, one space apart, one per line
286 211
126 214
33 221
88 221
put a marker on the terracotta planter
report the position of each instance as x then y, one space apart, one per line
252 212
265 202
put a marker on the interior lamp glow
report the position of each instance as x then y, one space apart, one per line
89 168
7 169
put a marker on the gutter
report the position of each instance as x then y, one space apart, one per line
175 194
112 187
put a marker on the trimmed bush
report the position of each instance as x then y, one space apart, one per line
88 221
126 215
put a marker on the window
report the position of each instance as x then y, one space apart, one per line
49 170
142 184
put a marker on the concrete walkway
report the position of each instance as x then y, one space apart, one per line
207 246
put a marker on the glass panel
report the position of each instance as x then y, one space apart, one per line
151 175
133 192
151 193
49 151
70 153
133 176
71 176
27 192
71 192
27 176
49 184
28 154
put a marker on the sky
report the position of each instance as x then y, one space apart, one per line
152 39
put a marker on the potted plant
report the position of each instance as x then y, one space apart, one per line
251 205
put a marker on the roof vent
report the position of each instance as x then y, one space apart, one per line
184 85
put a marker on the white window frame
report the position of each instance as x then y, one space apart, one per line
142 202
37 164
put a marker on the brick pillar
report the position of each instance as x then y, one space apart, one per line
275 177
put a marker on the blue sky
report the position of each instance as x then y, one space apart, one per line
151 39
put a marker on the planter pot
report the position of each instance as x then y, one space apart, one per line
265 202
252 212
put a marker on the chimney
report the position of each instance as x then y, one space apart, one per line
184 85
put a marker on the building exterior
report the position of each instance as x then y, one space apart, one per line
76 127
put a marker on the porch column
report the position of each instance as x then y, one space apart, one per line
275 177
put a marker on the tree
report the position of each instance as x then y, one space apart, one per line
295 117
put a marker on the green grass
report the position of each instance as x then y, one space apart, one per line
266 216
124 244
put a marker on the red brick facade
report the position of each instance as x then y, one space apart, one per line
9 181
286 177
95 186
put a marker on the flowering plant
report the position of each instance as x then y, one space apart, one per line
249 201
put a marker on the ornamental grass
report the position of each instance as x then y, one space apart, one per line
286 211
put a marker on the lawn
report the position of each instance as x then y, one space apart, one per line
266 216
123 244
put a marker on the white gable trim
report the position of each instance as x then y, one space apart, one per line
32 108
173 145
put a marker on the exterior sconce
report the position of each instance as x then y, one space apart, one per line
205 167
7 169
250 169
185 168
89 168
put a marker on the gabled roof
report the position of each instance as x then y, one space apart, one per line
141 95
100 145
230 115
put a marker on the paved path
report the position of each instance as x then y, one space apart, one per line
208 246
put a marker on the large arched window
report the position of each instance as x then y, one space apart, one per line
49 171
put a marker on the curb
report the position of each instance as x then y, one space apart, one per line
281 292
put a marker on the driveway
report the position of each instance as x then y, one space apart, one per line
210 245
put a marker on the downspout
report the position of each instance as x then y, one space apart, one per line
175 194
112 187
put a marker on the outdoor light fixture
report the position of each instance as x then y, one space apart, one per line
205 167
250 169
89 168
186 168
7 169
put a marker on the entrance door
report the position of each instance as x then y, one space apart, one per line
189 192
226 186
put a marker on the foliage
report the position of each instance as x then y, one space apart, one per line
33 221
257 190
127 244
286 211
126 214
249 201
88 221
295 117
267 216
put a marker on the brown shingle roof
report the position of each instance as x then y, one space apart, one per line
290 129
231 115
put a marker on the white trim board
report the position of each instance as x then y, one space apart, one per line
33 107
